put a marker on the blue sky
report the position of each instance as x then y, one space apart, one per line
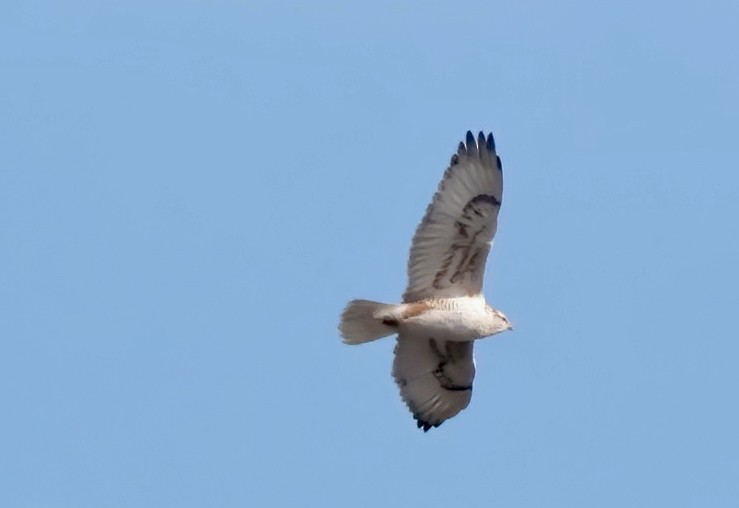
191 191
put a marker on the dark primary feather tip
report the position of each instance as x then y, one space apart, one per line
470 139
481 139
500 164
491 142
454 160
421 424
426 426
461 149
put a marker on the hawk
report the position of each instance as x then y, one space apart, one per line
443 310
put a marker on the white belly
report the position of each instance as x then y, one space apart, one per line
442 324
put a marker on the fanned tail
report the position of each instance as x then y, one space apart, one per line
364 321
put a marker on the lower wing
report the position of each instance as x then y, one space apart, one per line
434 377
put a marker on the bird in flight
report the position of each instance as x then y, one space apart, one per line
443 310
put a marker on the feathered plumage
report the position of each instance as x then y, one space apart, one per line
443 309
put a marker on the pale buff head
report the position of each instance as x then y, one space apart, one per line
498 321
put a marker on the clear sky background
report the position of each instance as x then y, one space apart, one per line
191 191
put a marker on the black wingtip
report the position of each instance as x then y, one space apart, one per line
426 426
481 140
475 146
491 142
421 424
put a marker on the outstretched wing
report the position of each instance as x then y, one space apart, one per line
434 377
452 242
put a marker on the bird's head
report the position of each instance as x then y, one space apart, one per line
499 321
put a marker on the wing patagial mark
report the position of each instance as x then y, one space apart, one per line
445 358
484 198
450 355
470 266
469 259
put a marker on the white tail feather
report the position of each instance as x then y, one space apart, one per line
362 321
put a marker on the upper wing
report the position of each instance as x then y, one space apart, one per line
434 376
452 242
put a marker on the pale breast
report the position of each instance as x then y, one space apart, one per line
455 319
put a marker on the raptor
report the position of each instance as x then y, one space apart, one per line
443 309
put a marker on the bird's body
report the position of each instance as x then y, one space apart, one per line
458 319
443 310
